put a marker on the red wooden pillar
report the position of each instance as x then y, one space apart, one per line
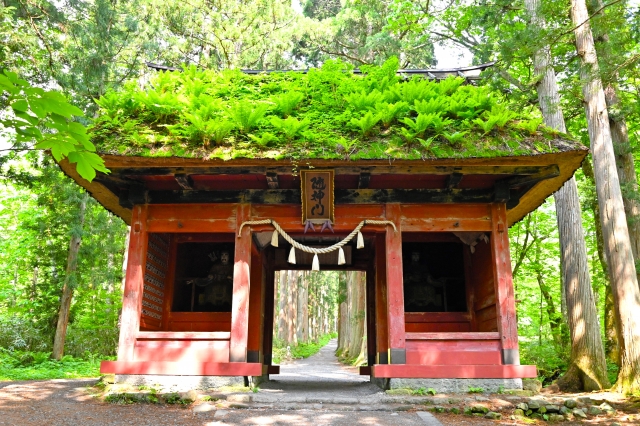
134 284
371 312
240 301
269 295
395 290
503 282
382 328
256 307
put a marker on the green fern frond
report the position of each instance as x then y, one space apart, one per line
347 145
449 85
247 114
531 126
366 123
290 126
426 143
454 138
219 130
431 106
265 140
287 102
362 101
389 112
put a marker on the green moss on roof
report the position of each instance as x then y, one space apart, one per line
327 113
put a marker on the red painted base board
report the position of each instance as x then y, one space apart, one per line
432 357
181 368
409 371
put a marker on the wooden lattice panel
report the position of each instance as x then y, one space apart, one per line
155 278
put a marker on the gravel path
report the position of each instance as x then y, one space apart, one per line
319 378
70 402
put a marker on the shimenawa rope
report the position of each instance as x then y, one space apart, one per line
315 251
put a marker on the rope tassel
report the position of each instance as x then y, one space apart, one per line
292 255
274 239
315 266
341 260
360 242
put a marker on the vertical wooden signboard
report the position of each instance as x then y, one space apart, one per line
317 196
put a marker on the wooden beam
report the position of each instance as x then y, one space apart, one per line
272 180
544 173
395 289
382 328
342 196
453 336
256 307
120 168
183 335
133 286
269 296
240 299
501 192
412 371
363 180
453 180
184 180
503 284
182 368
370 276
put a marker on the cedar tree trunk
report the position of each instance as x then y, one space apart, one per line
67 288
622 271
587 368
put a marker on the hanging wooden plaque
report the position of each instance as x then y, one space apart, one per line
317 196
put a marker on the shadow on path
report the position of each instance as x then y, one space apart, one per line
320 375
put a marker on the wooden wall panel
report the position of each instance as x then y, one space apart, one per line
503 283
482 286
134 281
155 282
256 307
199 321
433 322
382 328
182 350
241 288
395 292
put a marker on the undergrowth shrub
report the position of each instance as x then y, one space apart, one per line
550 361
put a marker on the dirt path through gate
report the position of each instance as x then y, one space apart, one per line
321 378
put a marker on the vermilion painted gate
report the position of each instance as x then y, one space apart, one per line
478 343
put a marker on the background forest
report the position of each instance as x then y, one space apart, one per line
84 48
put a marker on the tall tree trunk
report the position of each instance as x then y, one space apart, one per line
610 329
282 305
343 313
304 306
292 305
624 283
69 282
587 368
619 134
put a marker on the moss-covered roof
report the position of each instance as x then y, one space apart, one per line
328 113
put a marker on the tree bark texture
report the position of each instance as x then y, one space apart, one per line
610 329
619 135
67 288
351 334
587 369
615 233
